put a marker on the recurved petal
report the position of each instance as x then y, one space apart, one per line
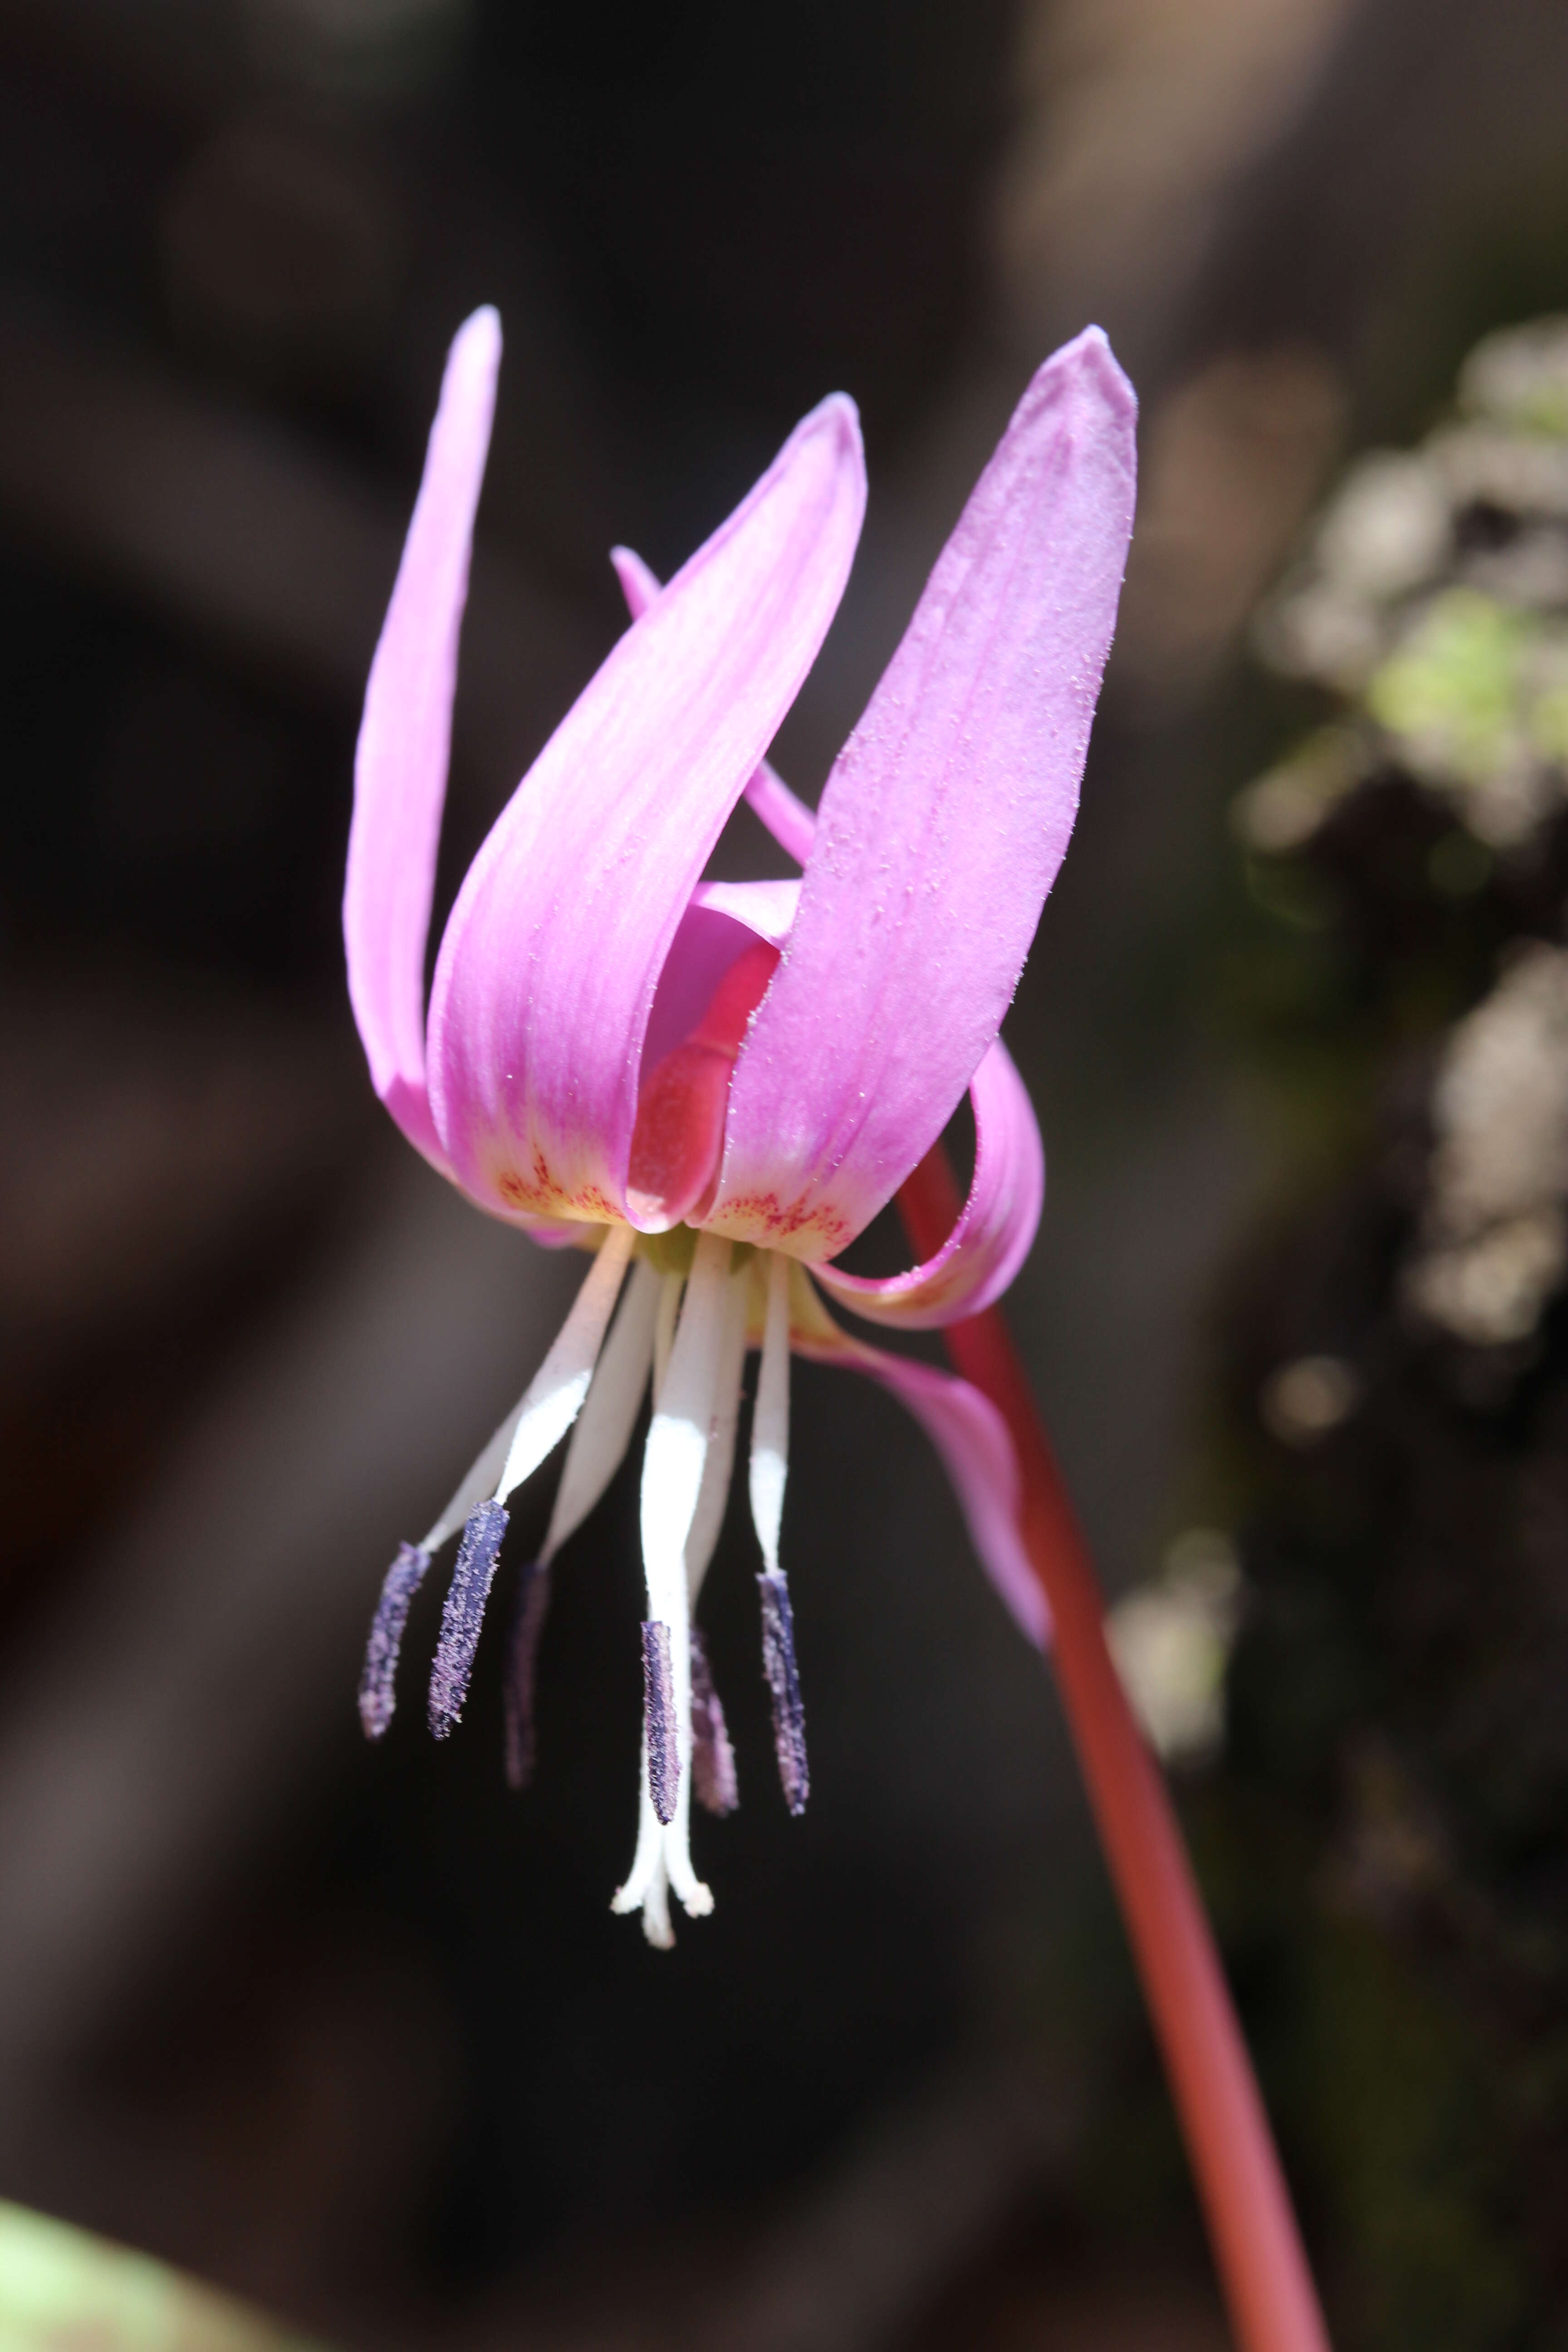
553 955
941 829
785 813
968 1433
995 1227
405 741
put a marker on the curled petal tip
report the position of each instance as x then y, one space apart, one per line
639 586
941 825
479 337
1091 361
473 363
401 758
839 411
535 1031
834 427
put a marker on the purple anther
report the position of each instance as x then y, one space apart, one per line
783 1688
528 1616
713 1780
658 1719
378 1679
464 1614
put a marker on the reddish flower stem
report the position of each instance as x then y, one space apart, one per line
1258 2251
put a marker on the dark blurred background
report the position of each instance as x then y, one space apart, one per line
353 2032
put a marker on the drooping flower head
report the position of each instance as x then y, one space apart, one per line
718 1085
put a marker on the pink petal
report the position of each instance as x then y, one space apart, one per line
996 1227
720 924
941 830
404 739
724 955
785 813
549 968
995 1230
968 1433
679 1131
785 816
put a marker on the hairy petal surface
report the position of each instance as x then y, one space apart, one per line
404 742
549 968
941 829
968 1433
996 1228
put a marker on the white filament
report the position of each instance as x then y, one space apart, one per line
609 1412
708 1516
664 1329
676 1455
478 1481
555 1393
770 1422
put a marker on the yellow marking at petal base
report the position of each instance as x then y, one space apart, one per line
805 1232
671 1252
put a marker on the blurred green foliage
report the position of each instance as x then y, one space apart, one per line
64 2291
1385 1840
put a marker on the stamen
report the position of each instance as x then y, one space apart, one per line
770 1470
478 1481
708 1519
712 1756
783 1689
556 1392
463 1615
658 1721
483 1474
529 1612
669 1299
377 1682
599 1441
770 1421
609 1415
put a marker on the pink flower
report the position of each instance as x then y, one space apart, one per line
718 1085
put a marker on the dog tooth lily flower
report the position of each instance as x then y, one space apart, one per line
718 1085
